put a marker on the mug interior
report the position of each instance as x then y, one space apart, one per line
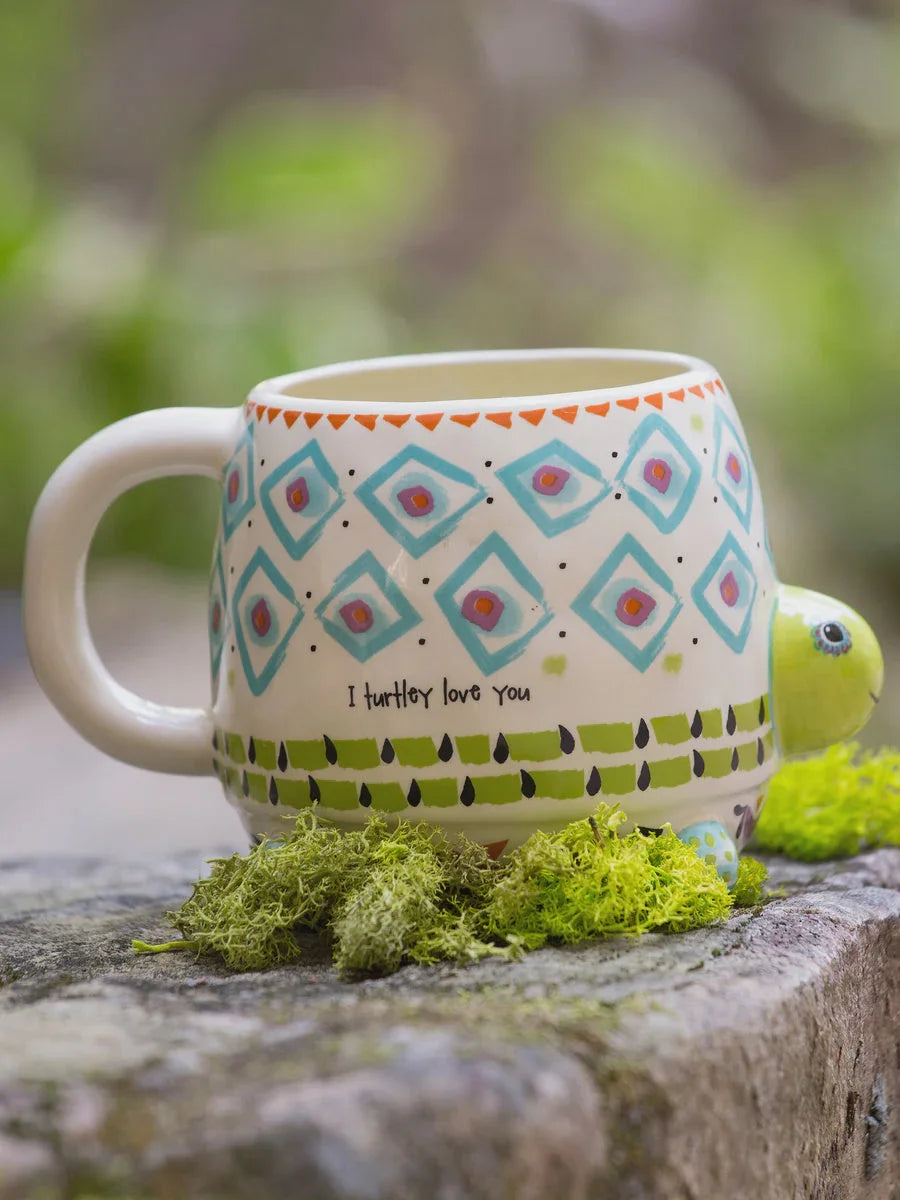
449 378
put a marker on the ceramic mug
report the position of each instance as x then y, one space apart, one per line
486 590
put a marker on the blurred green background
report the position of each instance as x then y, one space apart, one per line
198 194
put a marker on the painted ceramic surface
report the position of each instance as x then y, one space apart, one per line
494 619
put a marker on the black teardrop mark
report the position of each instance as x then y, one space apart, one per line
414 795
644 777
387 751
642 737
699 764
245 784
529 787
697 724
593 783
445 749
760 752
365 796
282 757
731 722
251 750
215 739
330 749
273 791
566 740
501 750
735 759
762 710
315 793
467 795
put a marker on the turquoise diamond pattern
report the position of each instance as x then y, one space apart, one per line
726 593
556 486
660 473
493 604
365 611
300 497
630 602
266 614
218 613
732 468
238 489
419 498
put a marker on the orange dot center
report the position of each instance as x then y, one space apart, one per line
420 500
484 606
548 479
360 615
659 471
633 606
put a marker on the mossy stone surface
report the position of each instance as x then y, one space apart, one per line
743 1058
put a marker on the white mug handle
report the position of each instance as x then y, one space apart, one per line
168 441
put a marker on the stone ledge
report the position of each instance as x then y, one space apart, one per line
755 1057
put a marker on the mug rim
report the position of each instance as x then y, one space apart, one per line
688 370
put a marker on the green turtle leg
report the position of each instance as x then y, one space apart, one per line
714 844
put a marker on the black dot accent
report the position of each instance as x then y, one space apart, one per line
414 795
699 765
315 792
330 750
642 737
427 580
735 759
566 740
592 787
490 500
365 796
312 649
730 721
467 795
695 641
233 648
489 462
282 757
615 454
644 777
245 784
562 566
562 633
680 558
387 751
715 499
352 471
249 524
345 524
273 791
262 462
309 595
618 495
697 724
529 787
445 749
762 710
501 750
760 752
251 750
421 641
706 450
231 570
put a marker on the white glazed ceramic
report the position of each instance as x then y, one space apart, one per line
486 590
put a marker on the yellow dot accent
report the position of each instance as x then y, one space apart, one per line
709 839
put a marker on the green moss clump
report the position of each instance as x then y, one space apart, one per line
384 896
833 805
751 877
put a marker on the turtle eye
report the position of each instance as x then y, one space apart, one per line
831 637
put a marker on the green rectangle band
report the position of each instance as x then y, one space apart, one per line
415 752
307 755
671 731
717 763
475 749
235 747
338 793
618 781
497 789
265 754
293 792
387 797
534 747
712 722
558 785
439 793
606 739
670 772
747 716
258 787
359 753
748 756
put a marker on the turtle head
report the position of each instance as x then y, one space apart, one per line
827 671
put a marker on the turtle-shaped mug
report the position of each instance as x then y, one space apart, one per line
486 590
